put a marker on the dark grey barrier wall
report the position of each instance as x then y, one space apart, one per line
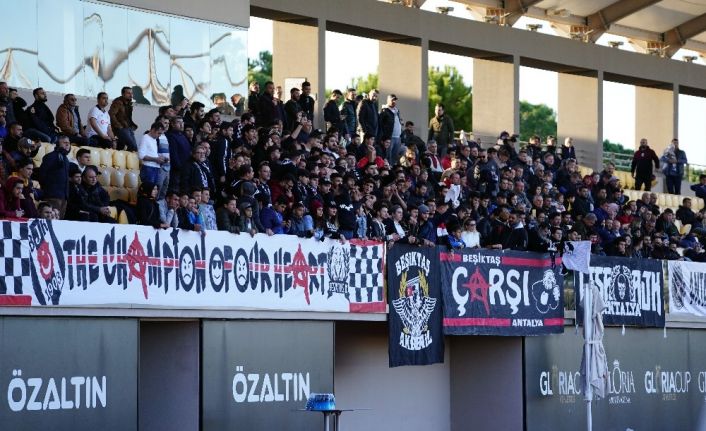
655 383
68 374
169 375
257 373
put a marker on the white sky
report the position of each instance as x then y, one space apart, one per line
536 86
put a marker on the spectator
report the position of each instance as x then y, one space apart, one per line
206 211
306 101
641 167
441 129
121 120
148 152
391 126
227 216
6 102
700 188
673 163
470 236
196 175
15 205
332 115
368 115
238 101
41 119
94 199
292 108
272 216
568 151
45 211
3 121
99 131
195 116
147 209
68 121
83 159
246 222
168 208
348 112
54 175
254 98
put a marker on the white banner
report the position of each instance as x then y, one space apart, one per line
577 256
687 287
72 263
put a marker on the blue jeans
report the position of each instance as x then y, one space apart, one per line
126 139
149 174
393 153
673 184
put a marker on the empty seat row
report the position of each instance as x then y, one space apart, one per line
126 160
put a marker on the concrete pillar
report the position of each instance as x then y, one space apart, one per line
496 98
404 71
299 51
656 116
580 116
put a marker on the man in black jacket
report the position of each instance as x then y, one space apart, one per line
306 101
94 199
54 176
368 115
41 118
332 115
641 166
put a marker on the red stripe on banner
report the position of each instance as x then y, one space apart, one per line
365 242
476 321
449 257
15 300
558 321
200 264
367 307
534 263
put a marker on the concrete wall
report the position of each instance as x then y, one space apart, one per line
233 12
403 398
169 376
486 383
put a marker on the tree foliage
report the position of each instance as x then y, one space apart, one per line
536 120
260 68
614 147
363 84
446 86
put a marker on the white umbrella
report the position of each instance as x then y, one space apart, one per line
594 364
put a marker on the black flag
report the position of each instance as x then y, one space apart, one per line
413 283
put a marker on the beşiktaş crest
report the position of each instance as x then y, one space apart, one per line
414 306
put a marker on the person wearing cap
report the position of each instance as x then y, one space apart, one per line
391 127
246 222
427 231
94 199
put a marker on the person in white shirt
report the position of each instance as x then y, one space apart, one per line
100 134
470 236
148 153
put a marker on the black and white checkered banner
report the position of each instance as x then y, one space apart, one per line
687 287
71 263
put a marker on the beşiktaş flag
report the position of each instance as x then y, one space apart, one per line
577 255
414 286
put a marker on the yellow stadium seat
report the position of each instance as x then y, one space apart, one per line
106 157
104 177
698 204
119 159
133 162
131 179
117 178
119 193
122 218
132 195
39 156
113 211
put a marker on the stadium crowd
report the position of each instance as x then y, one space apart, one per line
368 175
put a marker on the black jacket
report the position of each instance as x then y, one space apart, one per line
387 122
41 118
54 176
368 117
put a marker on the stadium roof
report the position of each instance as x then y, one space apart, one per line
658 27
